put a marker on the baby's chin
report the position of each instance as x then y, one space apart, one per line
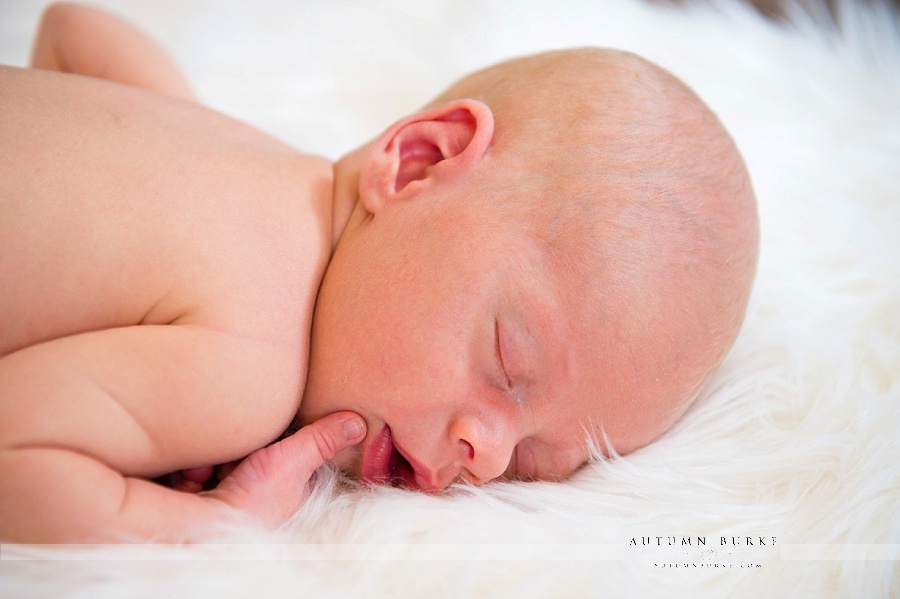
348 460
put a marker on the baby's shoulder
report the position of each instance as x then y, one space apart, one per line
128 207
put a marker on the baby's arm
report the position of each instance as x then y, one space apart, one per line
84 418
86 41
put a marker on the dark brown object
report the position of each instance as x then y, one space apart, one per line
775 9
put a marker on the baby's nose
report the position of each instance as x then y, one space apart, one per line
484 449
464 465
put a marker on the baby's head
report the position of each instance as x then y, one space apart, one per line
558 251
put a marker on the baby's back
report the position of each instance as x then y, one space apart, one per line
121 208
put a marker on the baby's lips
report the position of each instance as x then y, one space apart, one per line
375 457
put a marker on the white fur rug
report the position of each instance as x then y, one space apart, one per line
794 442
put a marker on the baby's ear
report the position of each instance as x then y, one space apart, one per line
439 144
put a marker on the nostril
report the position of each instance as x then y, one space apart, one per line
467 449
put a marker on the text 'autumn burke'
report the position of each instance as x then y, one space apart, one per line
700 541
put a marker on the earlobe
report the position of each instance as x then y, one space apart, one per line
441 143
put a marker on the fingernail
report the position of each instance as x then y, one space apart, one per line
353 428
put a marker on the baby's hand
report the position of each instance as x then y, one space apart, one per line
273 482
194 480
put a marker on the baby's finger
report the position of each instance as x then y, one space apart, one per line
180 483
198 475
293 460
320 441
272 483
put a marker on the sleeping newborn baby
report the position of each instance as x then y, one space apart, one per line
552 256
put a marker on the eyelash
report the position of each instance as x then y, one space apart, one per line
500 353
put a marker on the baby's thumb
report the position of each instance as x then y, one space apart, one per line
325 437
271 483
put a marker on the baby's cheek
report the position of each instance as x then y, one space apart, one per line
525 466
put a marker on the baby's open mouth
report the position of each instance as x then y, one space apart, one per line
402 472
383 464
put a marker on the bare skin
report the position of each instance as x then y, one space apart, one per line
488 304
166 260
528 271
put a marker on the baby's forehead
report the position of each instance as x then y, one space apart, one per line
552 273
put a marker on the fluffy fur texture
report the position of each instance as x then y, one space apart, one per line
796 436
